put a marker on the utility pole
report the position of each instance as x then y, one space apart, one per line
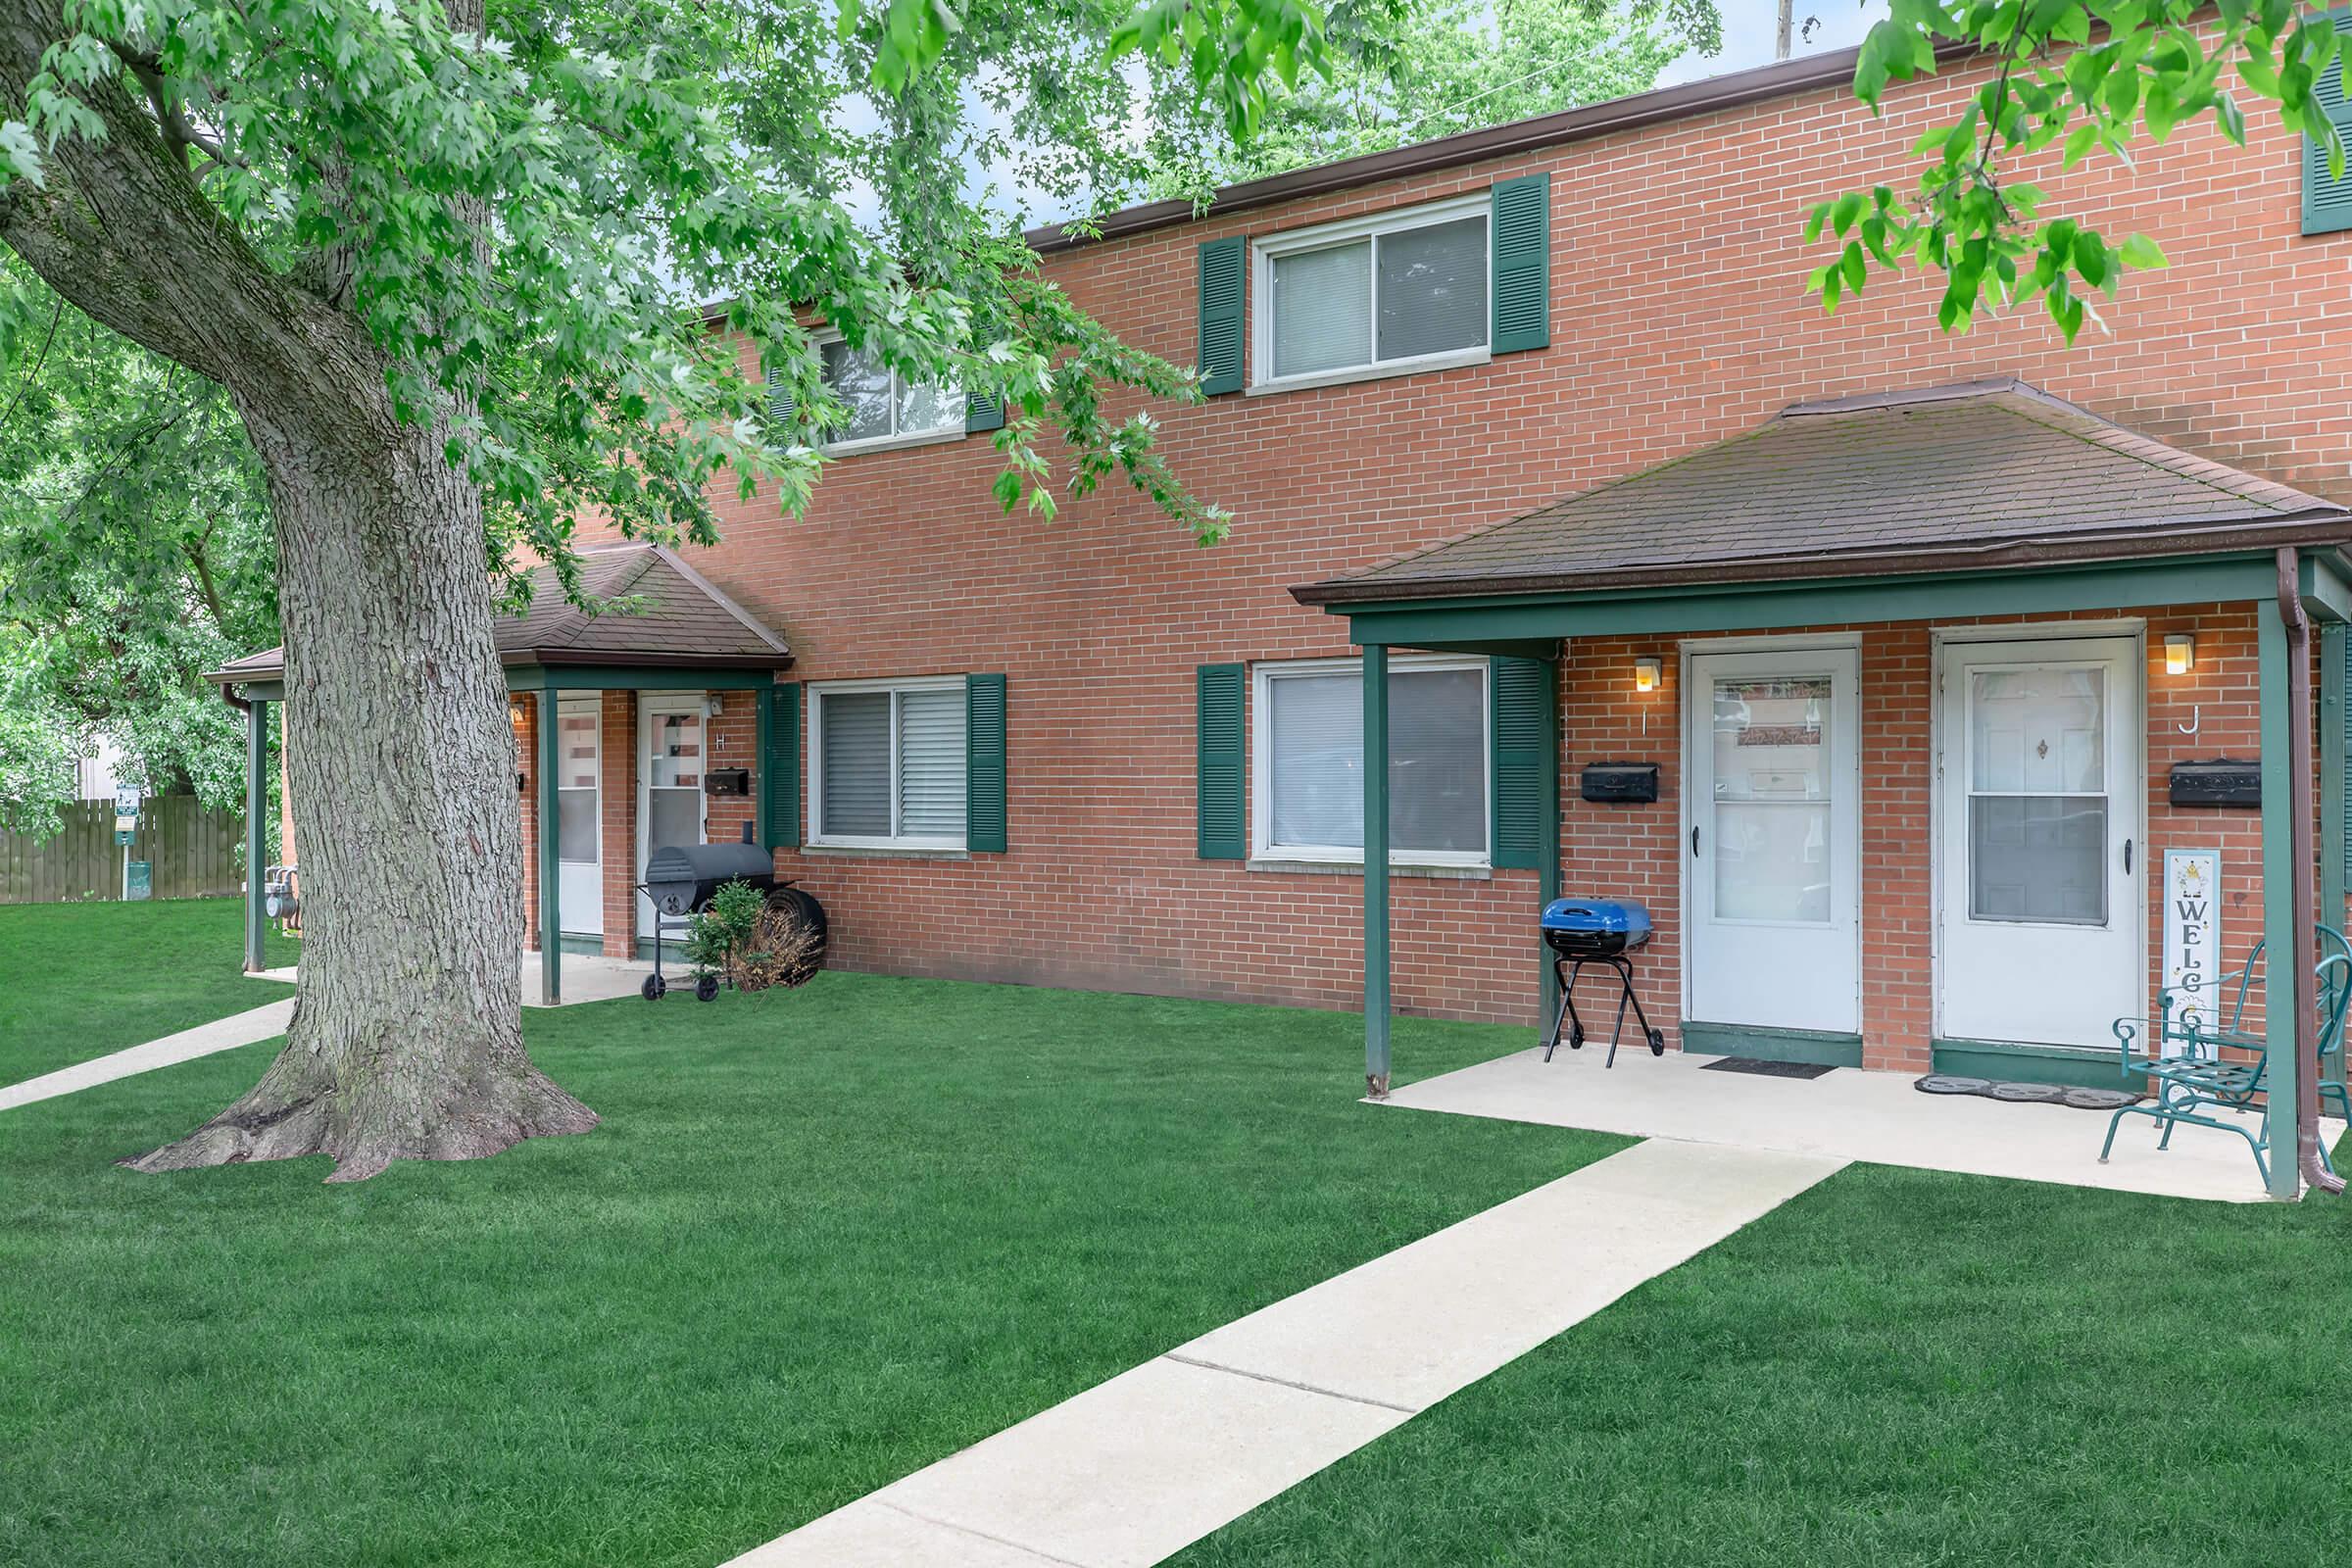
1780 47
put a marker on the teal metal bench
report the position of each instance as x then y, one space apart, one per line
2180 1053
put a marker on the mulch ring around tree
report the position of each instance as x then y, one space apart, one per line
2073 1095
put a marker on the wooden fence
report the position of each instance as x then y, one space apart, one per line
193 852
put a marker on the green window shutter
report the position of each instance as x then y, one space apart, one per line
1221 773
1521 245
779 404
2327 198
984 764
780 766
1518 730
1224 320
982 414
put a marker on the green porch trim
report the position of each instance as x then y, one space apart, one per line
1483 623
582 946
2335 644
2008 1061
2278 897
263 691
1547 861
551 892
1827 1047
628 677
2326 590
1376 870
671 952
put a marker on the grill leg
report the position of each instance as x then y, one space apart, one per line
1625 993
1559 1018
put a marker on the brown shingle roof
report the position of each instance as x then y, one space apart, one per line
676 618
1982 473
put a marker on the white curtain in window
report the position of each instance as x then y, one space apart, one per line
1437 761
1323 309
931 763
1432 289
856 743
923 410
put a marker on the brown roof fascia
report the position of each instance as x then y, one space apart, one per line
2333 526
1680 101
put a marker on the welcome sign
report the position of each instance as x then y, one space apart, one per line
2193 932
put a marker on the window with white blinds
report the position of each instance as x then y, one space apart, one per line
887 764
1309 781
1392 292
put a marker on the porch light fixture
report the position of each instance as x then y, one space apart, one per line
1646 674
2180 653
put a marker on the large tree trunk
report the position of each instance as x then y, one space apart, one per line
407 1041
407 1038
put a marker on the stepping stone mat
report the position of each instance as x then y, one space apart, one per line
1768 1069
2076 1096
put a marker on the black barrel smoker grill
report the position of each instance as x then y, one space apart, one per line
1582 931
680 879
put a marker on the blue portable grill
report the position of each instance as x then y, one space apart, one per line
1582 931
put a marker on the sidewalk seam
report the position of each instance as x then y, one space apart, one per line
968 1530
1286 1383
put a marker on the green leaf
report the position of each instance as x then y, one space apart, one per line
2142 253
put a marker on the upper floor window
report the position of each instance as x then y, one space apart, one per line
884 408
1374 296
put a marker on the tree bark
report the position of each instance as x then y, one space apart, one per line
405 1040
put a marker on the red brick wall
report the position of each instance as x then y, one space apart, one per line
1678 318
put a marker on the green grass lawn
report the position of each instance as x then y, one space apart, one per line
822 1239
1897 1367
83 979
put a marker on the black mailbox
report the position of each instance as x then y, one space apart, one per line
727 781
2220 782
1626 783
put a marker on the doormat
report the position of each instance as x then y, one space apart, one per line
2081 1098
1769 1070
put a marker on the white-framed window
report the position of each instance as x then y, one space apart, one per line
1307 767
1383 295
886 764
885 409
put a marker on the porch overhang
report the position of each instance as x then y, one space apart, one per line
1987 501
639 618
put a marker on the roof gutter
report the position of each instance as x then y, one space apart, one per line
1687 99
2328 526
2301 765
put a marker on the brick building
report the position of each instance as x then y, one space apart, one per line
1089 753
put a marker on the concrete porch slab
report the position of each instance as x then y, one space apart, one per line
1845 1114
587 977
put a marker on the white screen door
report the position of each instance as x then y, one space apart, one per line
2039 846
579 854
1772 848
670 781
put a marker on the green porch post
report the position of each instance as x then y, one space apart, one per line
1376 869
2335 640
2278 1022
551 933
257 830
1548 869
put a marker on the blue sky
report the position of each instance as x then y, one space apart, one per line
1747 34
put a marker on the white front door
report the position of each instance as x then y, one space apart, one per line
2039 855
579 835
1773 841
670 781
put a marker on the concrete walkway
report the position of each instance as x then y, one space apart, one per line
222 1034
1134 1469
